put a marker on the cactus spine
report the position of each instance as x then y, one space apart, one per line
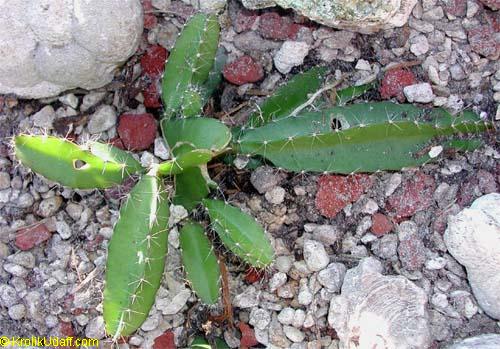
136 257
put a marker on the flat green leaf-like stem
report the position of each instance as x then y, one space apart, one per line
359 138
240 233
65 162
200 262
136 257
201 133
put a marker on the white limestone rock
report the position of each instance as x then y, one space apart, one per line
49 46
360 16
484 341
473 239
378 311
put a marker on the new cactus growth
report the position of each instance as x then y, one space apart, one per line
344 139
189 65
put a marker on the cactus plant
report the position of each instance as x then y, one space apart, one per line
344 139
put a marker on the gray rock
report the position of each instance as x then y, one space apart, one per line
396 305
264 179
17 311
332 277
55 45
260 318
63 229
15 269
293 334
420 93
161 149
91 99
49 207
44 118
95 328
8 295
207 5
278 280
386 247
248 299
283 263
4 180
171 306
70 100
305 296
484 341
102 120
291 54
473 239
360 16
276 195
419 45
23 258
315 255
327 234
286 316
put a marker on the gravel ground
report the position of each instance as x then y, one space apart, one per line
53 240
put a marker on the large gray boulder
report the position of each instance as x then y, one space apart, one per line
49 46
473 238
379 311
356 15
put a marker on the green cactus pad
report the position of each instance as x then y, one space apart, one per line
359 138
190 188
240 233
190 61
136 257
73 166
183 161
288 97
200 262
202 133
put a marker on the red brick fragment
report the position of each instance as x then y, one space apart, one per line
336 192
243 70
27 238
393 83
137 131
380 224
275 27
415 194
247 336
165 341
483 40
153 60
254 275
